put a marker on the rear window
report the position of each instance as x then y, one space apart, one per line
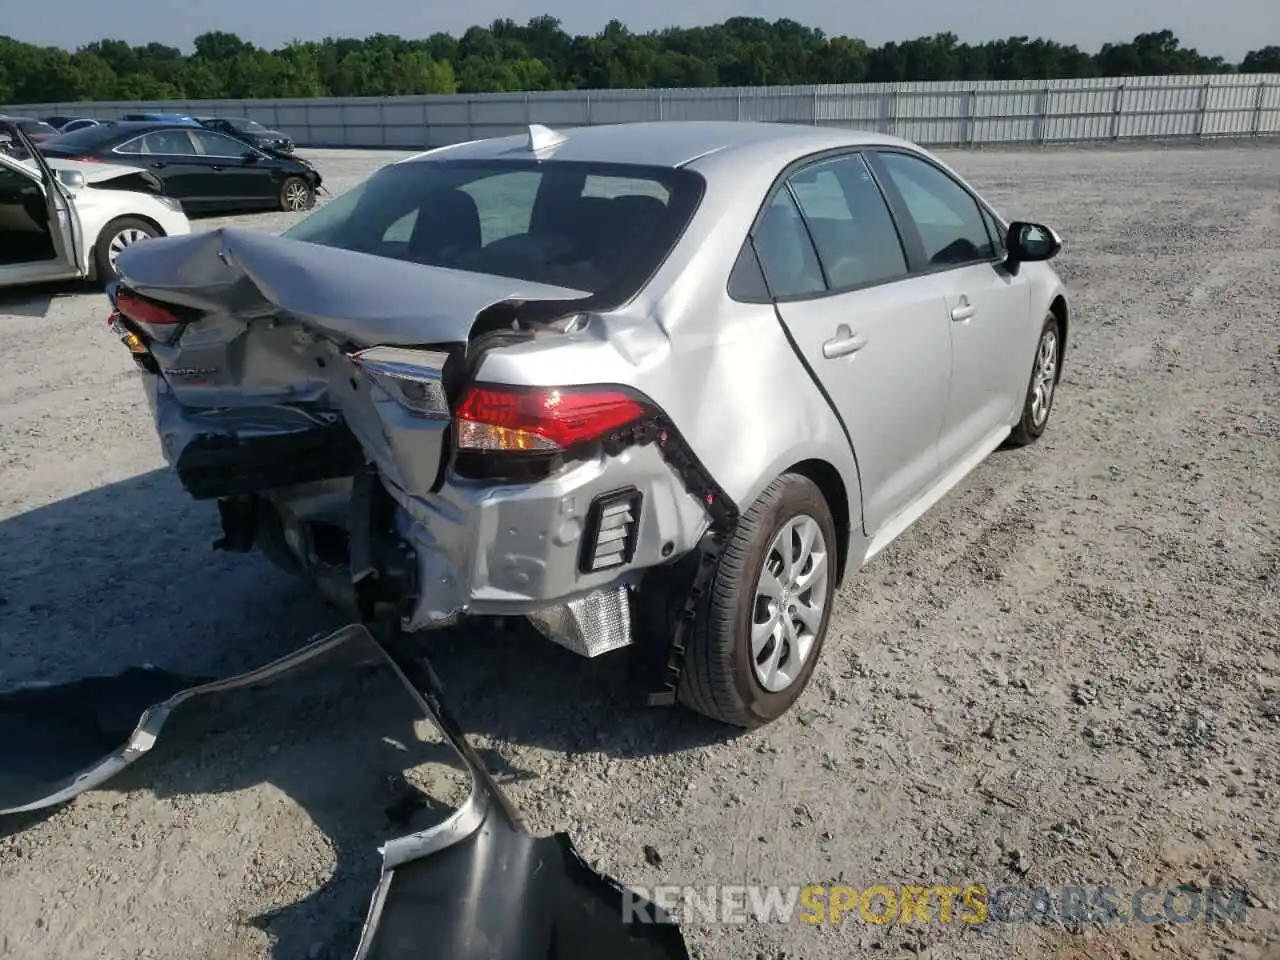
85 139
35 126
599 228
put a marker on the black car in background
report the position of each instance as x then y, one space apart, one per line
81 122
250 131
206 170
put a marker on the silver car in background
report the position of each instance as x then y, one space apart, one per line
660 385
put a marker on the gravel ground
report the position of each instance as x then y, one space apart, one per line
1069 672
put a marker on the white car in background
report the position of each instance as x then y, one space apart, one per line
67 219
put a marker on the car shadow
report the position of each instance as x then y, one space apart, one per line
225 212
34 300
124 575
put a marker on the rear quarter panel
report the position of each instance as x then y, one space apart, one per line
739 397
722 371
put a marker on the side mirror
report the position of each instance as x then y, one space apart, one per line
71 178
250 157
1031 242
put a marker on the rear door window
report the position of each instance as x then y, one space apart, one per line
787 255
167 143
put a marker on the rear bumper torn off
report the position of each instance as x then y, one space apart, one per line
535 550
564 551
541 899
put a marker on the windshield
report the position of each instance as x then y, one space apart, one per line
35 126
247 126
599 228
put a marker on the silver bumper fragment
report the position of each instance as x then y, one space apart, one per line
589 626
539 898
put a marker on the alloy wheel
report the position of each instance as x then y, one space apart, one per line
1044 376
295 196
789 598
125 238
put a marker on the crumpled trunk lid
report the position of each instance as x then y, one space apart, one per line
343 295
274 323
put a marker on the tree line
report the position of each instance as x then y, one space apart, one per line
540 55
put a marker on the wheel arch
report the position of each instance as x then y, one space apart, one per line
1058 307
832 487
91 252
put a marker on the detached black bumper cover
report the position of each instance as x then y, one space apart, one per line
478 886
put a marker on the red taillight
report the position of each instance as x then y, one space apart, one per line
523 420
144 311
157 320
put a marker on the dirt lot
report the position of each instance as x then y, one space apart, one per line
1068 673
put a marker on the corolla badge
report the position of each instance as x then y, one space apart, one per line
190 371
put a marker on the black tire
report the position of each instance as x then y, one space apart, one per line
719 678
103 270
1029 429
296 195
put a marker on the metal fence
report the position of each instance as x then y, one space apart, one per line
937 114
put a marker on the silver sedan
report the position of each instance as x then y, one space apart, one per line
657 385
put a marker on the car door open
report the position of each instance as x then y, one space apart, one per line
60 219
875 340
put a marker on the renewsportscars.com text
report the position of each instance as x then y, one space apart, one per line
973 904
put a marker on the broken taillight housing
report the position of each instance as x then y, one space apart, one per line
134 343
503 419
413 378
154 319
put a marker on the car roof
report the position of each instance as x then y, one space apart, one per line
135 127
669 143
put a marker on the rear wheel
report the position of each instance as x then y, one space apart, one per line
116 237
296 195
756 639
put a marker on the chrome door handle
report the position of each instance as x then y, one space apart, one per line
843 343
962 311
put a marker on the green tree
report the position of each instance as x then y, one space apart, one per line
1266 60
540 55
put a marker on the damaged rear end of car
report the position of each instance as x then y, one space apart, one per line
420 437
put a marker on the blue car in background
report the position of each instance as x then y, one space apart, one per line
162 118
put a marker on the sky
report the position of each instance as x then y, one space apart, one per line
1229 28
